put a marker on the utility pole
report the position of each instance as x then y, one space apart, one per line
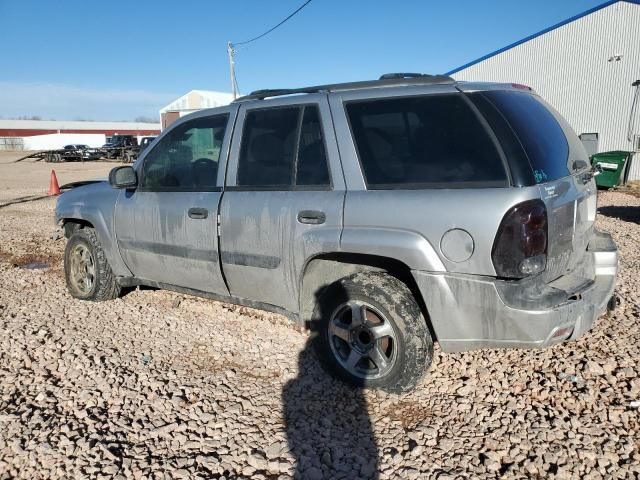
232 69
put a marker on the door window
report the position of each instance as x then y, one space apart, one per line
186 159
283 147
312 158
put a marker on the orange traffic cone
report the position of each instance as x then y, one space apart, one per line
54 188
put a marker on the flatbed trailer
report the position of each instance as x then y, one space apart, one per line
62 155
126 154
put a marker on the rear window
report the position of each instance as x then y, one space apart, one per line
539 132
431 140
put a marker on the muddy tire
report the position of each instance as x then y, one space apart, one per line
369 331
86 270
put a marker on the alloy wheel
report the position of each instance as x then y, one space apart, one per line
362 340
82 269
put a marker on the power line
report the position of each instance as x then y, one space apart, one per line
231 49
273 28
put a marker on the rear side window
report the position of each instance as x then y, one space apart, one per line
541 135
431 140
283 147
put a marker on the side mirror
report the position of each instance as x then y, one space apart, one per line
123 177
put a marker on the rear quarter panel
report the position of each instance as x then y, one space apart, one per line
421 217
429 214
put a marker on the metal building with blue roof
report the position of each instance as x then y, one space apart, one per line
585 67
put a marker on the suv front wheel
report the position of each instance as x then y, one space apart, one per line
88 274
369 331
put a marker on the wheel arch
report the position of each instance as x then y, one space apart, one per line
71 225
322 270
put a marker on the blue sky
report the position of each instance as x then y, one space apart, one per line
118 60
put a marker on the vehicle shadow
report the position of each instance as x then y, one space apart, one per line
328 428
626 214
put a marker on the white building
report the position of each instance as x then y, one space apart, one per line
584 67
55 134
192 101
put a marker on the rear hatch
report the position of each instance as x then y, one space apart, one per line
559 166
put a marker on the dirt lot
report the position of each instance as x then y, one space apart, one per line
160 385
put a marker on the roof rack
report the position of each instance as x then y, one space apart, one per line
387 76
386 80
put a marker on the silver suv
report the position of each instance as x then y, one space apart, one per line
383 215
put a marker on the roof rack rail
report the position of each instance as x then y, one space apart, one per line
388 76
386 80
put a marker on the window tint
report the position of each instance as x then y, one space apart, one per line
539 132
187 157
432 139
268 143
312 158
283 147
521 173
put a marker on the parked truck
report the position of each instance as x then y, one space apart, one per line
124 148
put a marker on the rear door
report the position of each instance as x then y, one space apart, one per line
167 228
560 168
283 200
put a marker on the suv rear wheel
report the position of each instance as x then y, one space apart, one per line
88 274
370 332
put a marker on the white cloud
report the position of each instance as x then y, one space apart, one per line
68 102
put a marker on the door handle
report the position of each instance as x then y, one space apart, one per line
198 213
313 217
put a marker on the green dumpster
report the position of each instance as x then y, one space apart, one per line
612 164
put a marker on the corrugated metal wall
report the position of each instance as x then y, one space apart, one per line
570 68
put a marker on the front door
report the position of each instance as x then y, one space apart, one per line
283 200
167 228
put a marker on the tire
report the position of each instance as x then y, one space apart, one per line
393 342
84 258
612 303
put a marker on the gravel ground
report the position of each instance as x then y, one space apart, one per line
161 385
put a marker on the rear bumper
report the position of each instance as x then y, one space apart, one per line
470 312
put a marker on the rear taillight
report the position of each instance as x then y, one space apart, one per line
520 247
